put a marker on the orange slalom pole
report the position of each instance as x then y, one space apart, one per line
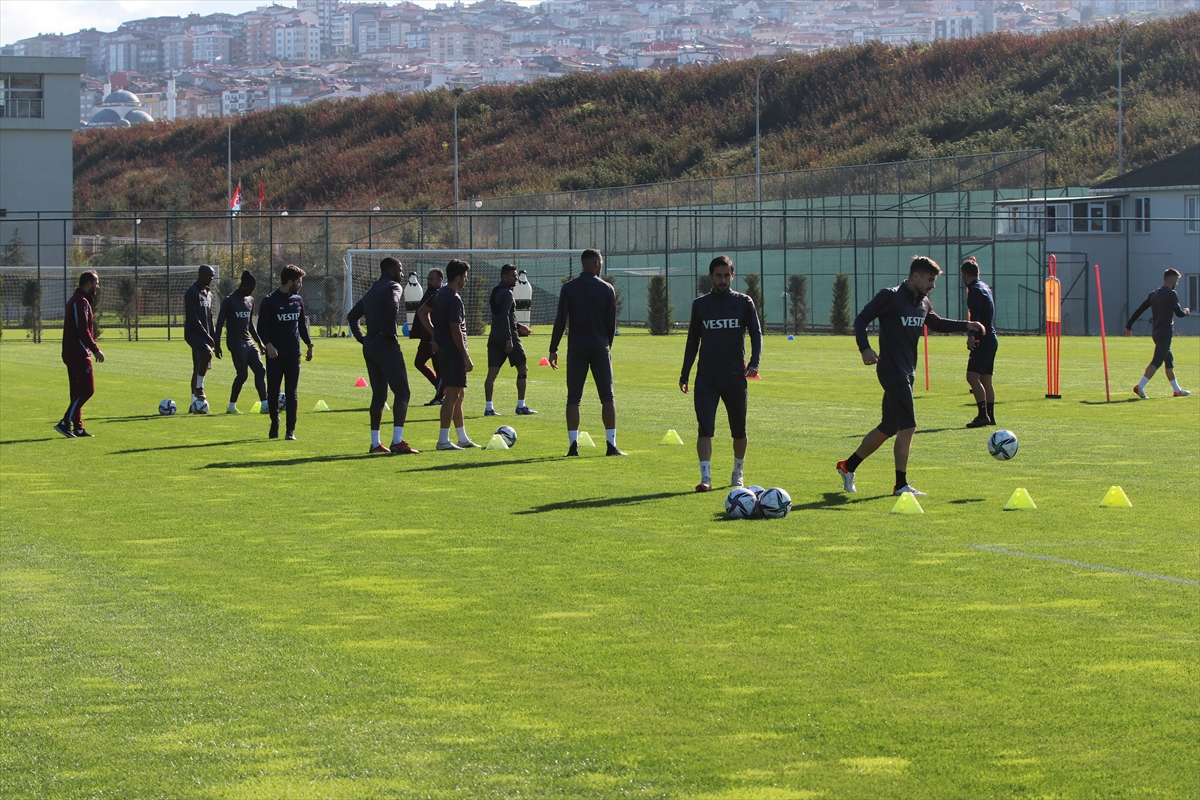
927 358
1053 290
1103 340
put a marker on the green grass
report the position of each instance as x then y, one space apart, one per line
191 610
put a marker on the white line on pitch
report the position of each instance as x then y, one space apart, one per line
1086 566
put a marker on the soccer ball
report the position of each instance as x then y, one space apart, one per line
740 503
1002 445
167 408
198 406
756 489
507 434
774 503
281 403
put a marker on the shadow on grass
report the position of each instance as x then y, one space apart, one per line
175 447
938 430
1108 403
134 418
966 500
833 501
291 462
603 502
31 441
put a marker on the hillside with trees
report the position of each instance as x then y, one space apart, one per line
855 105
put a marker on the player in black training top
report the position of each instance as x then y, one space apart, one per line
237 310
1164 307
982 361
282 323
424 336
198 329
504 341
589 305
720 320
903 311
383 306
445 315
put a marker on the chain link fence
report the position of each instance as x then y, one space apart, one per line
811 227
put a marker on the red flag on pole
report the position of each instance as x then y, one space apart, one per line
262 191
235 202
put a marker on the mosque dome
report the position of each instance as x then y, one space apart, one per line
137 117
105 116
122 98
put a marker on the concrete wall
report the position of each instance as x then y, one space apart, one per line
36 163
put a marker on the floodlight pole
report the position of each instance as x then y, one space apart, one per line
1120 103
456 99
757 116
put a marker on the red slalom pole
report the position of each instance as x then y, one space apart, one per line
927 358
1103 341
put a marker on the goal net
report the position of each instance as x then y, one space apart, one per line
540 276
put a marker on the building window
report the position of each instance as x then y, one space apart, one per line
1141 215
21 96
1191 213
1096 217
1193 287
1057 218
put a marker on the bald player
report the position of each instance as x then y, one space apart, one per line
199 332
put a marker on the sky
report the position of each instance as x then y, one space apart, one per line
20 19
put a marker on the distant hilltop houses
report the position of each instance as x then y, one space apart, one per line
168 68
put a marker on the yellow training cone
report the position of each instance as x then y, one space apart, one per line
1020 499
585 440
320 406
496 443
672 438
907 504
386 407
1116 498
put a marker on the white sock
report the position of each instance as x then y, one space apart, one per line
232 407
705 471
611 435
199 381
444 436
489 406
573 436
737 464
397 434
374 438
520 404
1142 383
263 403
1175 385
462 434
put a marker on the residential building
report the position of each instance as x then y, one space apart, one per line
460 43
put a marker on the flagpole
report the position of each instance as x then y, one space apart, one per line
229 181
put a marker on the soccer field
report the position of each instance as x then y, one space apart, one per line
191 610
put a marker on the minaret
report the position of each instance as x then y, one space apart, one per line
171 97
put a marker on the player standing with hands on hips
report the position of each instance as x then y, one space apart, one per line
446 316
982 362
720 320
198 331
383 306
903 311
1164 307
282 323
589 304
237 310
78 347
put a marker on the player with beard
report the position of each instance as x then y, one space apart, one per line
78 347
236 316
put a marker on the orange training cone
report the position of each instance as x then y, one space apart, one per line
361 382
545 362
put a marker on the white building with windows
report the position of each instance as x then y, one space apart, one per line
1135 227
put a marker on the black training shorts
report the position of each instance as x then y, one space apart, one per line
385 368
706 393
497 356
982 360
898 411
452 370
579 361
201 358
1162 352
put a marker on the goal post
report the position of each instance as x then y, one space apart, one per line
540 277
